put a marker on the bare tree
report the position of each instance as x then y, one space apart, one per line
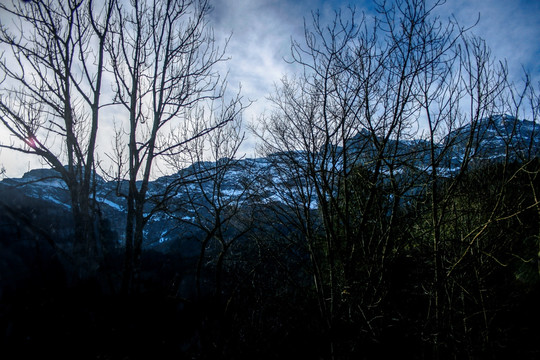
377 100
163 56
52 72
212 187
350 108
442 97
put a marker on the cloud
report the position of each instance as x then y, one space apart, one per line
261 41
511 29
262 31
261 37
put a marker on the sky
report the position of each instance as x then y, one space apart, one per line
262 31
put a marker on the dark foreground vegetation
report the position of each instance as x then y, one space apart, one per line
267 306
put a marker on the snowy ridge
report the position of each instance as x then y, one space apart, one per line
272 180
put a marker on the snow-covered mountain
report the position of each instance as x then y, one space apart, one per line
191 192
493 139
490 139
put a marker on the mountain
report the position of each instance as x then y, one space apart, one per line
255 181
492 139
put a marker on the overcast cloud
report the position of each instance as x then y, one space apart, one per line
262 31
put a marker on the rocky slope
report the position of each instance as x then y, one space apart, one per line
242 182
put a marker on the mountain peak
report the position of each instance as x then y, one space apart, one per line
38 174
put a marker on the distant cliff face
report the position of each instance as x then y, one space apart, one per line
252 182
